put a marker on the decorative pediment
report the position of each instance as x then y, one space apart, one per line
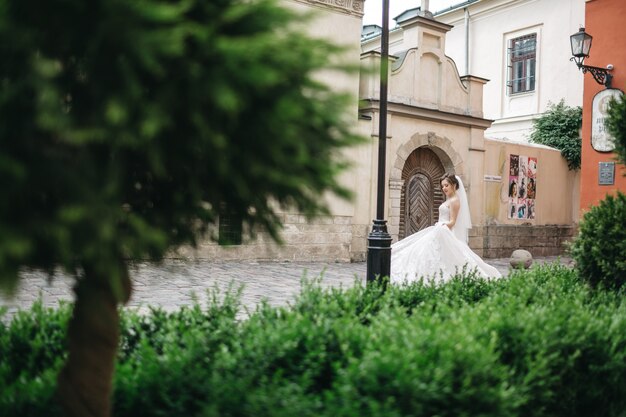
352 7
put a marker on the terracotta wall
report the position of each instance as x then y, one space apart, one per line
605 22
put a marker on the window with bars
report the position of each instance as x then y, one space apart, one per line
522 62
230 226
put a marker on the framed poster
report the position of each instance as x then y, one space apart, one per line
522 188
601 139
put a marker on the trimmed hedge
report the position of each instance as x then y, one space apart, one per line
600 247
539 343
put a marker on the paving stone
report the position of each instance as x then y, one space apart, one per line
174 283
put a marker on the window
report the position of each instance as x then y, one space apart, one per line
230 226
522 61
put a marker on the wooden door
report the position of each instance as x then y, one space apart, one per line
421 193
419 212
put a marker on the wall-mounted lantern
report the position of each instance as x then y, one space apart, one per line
581 44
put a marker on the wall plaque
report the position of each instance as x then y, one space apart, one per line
606 173
601 140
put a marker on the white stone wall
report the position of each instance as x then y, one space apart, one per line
492 23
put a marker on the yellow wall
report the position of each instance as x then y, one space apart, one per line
557 191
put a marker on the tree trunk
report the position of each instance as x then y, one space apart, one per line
85 383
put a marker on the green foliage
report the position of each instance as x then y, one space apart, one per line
32 350
126 124
600 245
540 343
165 359
559 128
617 127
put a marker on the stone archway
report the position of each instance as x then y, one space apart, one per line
421 195
427 149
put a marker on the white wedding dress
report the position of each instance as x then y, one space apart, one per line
435 253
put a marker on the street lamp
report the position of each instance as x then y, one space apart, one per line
581 44
379 240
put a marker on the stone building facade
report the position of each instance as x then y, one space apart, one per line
435 126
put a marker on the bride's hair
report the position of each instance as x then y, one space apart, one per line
451 178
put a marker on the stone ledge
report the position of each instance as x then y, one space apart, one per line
327 238
499 241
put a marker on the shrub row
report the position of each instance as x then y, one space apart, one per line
538 343
600 247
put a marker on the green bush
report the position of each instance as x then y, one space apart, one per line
600 247
32 350
540 342
562 343
617 127
559 128
165 359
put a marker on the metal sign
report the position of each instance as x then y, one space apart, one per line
606 173
601 139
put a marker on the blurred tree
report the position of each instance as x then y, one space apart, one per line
617 127
126 125
559 127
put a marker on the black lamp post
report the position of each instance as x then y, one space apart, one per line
581 44
379 240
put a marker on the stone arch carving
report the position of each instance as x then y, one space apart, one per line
417 161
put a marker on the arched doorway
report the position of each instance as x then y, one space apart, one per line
421 194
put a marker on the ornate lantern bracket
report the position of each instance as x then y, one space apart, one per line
581 45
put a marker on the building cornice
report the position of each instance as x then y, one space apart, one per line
350 7
424 113
426 22
480 9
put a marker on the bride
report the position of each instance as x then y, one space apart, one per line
440 251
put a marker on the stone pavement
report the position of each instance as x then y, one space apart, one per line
172 284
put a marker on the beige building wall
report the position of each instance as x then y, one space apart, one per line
340 24
557 192
556 202
430 106
329 238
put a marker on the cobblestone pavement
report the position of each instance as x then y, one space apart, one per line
172 284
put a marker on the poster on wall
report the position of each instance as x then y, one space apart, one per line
522 187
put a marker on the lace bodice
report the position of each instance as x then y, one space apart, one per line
444 217
444 213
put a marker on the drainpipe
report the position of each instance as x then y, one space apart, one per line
467 20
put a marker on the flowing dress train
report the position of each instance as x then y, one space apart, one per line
435 252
